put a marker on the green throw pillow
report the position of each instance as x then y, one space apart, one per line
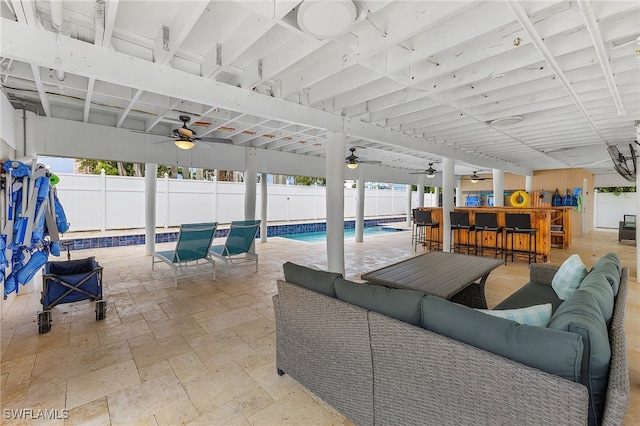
568 278
538 315
313 279
397 303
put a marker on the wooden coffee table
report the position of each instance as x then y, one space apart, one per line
457 277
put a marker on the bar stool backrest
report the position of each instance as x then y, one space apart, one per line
423 216
486 220
459 219
518 220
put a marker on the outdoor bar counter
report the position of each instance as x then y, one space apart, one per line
541 219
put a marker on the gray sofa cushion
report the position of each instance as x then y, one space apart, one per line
313 279
532 293
556 352
609 264
397 303
581 314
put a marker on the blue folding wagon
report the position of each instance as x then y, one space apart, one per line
67 282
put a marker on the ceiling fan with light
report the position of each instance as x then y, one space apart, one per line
353 160
430 172
186 138
474 178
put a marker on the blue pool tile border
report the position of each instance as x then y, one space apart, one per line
168 237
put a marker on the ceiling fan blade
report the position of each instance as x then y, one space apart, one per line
214 140
165 141
369 162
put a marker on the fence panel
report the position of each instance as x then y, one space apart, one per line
94 202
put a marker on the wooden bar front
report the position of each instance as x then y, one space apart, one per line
541 219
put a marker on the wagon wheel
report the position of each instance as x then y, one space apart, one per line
44 321
101 309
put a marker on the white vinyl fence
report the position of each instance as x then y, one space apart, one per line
99 202
611 208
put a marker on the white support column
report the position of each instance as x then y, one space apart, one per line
498 188
637 211
436 194
408 206
459 202
166 200
448 179
420 191
528 184
103 200
250 185
360 206
216 195
150 187
336 147
264 197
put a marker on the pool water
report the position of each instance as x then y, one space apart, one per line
317 237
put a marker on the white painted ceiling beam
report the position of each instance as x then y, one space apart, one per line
596 36
526 23
328 61
397 33
183 22
247 33
25 11
110 12
151 123
44 100
348 84
87 101
287 54
86 60
122 116
378 87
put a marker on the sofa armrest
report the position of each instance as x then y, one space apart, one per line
618 388
542 273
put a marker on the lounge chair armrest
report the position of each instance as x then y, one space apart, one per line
542 273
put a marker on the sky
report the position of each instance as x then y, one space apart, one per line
58 165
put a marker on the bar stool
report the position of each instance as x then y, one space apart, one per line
488 222
414 227
520 223
460 221
424 230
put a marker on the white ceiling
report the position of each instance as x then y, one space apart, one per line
410 82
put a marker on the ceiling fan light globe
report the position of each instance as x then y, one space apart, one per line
472 180
431 175
184 143
352 166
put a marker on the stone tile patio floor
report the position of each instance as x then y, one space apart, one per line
203 352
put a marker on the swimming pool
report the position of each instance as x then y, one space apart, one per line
317 237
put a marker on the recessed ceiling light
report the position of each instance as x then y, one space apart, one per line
506 121
326 19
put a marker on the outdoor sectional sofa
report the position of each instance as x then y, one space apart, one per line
440 363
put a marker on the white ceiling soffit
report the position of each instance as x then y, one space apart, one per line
410 81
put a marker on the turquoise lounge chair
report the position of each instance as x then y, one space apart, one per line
239 244
193 245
